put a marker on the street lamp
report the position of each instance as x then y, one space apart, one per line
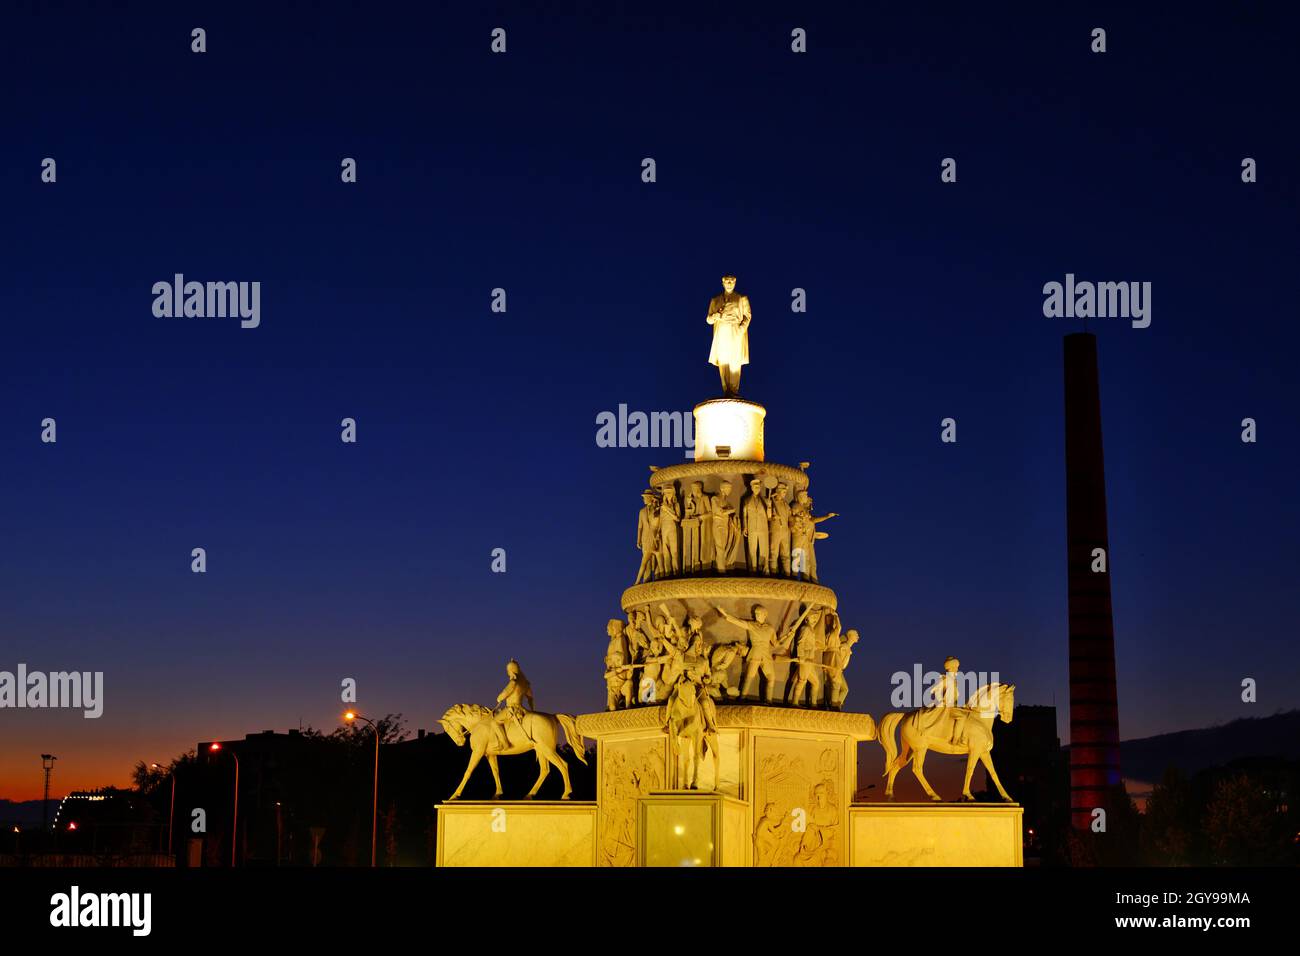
374 814
171 817
234 817
47 764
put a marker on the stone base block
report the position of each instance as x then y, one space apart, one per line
516 833
936 834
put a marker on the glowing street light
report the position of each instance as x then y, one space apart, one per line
234 817
350 716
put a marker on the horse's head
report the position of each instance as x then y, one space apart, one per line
994 699
454 723
454 731
1006 701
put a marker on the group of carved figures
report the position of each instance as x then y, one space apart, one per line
649 655
677 662
697 532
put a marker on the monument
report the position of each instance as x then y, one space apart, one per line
724 740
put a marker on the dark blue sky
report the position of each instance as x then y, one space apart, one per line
477 430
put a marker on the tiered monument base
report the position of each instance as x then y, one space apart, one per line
780 794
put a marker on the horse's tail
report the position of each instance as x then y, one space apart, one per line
885 735
572 736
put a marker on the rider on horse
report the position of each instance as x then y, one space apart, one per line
517 690
945 705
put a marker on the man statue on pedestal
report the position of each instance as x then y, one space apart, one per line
754 526
729 315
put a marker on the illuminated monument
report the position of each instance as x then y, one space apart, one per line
724 741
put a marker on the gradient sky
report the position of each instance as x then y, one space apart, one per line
477 430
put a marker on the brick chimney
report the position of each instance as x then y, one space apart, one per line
1094 706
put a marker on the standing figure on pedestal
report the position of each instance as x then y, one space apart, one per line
647 537
754 526
730 316
778 530
840 658
725 527
803 532
670 516
511 700
808 650
618 667
683 720
762 638
695 514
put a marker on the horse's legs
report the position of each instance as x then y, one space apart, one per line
899 762
474 757
563 767
971 758
918 768
543 773
496 773
987 760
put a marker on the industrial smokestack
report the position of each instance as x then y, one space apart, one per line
1094 706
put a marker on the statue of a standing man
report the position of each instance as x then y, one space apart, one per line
729 315
670 517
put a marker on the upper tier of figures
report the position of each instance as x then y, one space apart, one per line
728 517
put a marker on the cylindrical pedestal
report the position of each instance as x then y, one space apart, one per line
729 428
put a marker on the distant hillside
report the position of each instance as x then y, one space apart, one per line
1193 750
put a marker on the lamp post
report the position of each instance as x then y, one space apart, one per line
234 817
47 764
171 816
374 814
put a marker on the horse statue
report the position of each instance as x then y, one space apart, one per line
534 731
948 730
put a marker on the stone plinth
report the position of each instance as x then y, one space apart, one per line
792 770
516 833
936 834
